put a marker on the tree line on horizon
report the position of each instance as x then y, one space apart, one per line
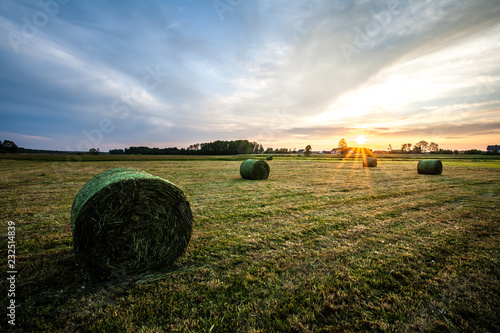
232 147
425 147
421 147
219 147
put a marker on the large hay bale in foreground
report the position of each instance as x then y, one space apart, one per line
254 169
130 221
369 162
430 167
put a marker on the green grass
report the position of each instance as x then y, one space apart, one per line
322 245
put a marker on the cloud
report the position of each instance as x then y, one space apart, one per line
267 70
451 130
22 140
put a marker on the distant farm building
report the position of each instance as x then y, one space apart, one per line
493 148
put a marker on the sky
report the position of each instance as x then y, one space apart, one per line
111 74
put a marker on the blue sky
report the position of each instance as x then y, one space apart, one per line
112 74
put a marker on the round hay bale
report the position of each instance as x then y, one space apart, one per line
128 220
369 162
254 169
269 158
430 167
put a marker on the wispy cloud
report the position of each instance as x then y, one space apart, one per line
22 139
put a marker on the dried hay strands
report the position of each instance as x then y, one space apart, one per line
369 162
128 220
254 169
430 167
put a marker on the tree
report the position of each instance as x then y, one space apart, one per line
308 150
93 151
8 146
433 147
343 147
421 146
389 148
406 147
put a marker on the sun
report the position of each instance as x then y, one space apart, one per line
361 139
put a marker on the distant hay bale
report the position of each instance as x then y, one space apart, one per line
269 158
128 220
369 162
430 167
254 169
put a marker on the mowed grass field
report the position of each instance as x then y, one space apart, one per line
322 245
